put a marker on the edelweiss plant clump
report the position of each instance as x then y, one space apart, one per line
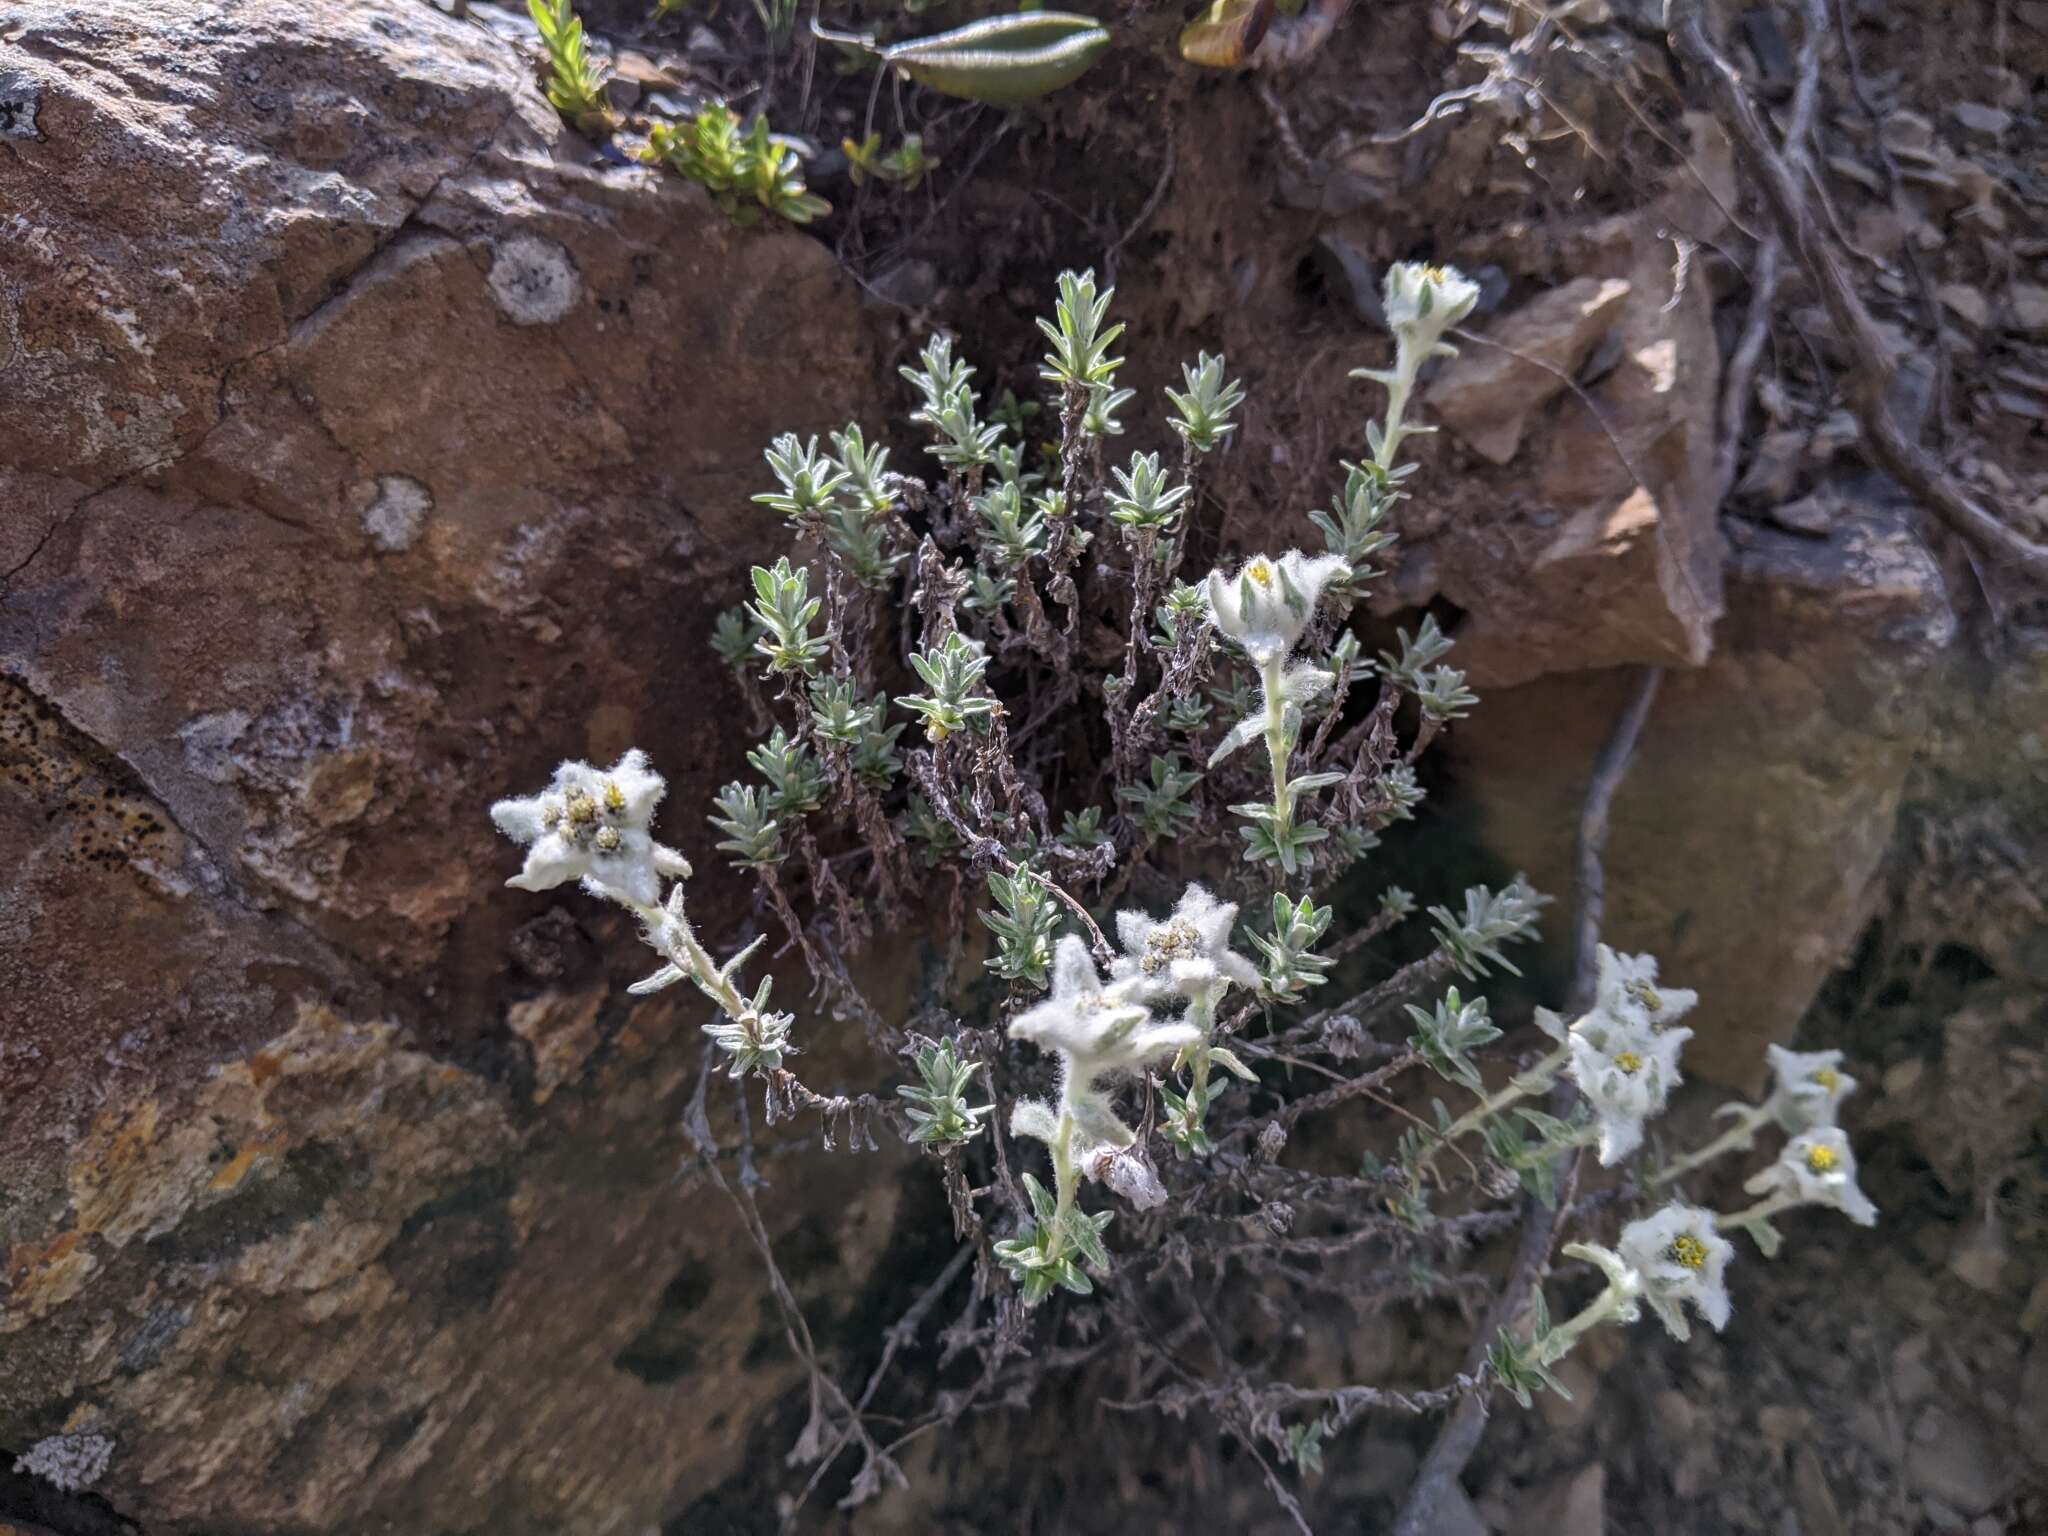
1031 680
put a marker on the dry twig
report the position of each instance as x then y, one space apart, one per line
1870 378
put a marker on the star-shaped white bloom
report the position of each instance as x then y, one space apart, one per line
1809 1089
1096 1031
1682 1258
1817 1168
1422 302
1267 605
1626 1072
1188 952
1628 992
593 825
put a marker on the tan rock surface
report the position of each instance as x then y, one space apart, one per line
1793 745
361 454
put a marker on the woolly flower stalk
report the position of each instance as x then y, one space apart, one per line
1624 1280
1268 604
1186 952
1683 1260
1097 1032
1625 1068
1816 1168
1809 1088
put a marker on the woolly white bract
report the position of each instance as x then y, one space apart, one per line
1628 992
1624 1280
1809 1088
1627 1073
1683 1259
593 825
1268 603
1817 1168
1423 301
1186 952
1097 1031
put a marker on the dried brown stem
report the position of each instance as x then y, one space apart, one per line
1460 1435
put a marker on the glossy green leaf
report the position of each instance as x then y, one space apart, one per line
1003 59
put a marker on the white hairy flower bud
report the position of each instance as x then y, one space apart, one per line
1422 302
1268 603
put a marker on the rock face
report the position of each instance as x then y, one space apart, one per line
1586 536
1487 394
1792 745
362 453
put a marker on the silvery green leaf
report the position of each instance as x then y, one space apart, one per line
1229 1062
1242 734
667 976
1034 1118
1042 1203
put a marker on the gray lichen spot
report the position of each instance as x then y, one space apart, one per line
209 742
19 102
393 521
70 1462
533 280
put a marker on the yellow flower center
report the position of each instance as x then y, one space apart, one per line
1828 1078
1172 941
1646 994
1260 572
1821 1159
614 797
1436 274
1689 1251
608 840
550 814
582 809
1629 1062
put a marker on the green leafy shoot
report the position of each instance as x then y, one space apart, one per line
575 84
905 166
940 1115
1203 409
749 174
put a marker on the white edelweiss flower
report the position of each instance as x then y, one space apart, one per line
1682 1257
1096 1031
1809 1089
1628 991
592 825
1423 301
1187 952
1626 1071
1817 1168
1269 602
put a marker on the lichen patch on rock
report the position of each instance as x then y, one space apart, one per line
533 280
394 518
